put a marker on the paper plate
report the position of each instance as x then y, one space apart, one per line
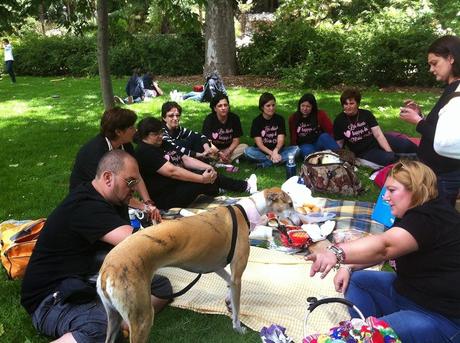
316 217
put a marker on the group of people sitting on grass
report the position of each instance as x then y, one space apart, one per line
421 301
140 88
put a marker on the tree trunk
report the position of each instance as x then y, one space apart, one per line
41 10
103 53
220 47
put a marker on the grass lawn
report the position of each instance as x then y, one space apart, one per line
43 123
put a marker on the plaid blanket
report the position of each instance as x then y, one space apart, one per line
348 214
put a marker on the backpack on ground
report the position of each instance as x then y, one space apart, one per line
18 240
326 172
213 86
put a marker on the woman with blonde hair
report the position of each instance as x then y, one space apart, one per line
421 300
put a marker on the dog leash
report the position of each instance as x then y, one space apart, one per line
229 257
235 228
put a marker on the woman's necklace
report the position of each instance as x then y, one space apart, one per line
356 121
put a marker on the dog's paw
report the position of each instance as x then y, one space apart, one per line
240 329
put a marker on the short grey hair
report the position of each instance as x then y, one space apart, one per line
113 161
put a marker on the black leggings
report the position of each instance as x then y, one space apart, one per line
183 193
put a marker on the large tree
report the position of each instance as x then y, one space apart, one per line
220 47
103 53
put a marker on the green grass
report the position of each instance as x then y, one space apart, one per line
44 121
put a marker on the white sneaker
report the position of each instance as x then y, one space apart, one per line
252 184
118 100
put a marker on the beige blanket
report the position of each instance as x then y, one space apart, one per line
275 288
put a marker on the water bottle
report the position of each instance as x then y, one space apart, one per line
135 222
290 167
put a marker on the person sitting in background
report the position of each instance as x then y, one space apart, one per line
421 301
174 179
310 128
116 132
212 86
134 89
223 129
151 87
183 140
269 131
360 132
56 290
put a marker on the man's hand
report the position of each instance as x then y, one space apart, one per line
153 212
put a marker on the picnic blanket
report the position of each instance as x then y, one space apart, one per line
275 286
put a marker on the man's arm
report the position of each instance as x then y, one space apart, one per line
117 235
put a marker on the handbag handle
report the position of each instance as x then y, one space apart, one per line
314 303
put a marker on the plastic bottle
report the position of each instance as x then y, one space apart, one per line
290 167
135 222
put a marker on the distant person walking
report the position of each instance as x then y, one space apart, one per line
9 59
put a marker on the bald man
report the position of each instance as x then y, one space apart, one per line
55 290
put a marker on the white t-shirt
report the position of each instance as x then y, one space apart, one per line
9 53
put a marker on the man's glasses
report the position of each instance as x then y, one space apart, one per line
131 183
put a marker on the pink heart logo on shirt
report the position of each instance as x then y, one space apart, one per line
167 158
262 133
215 135
298 129
347 133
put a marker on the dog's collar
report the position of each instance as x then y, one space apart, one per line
251 210
259 201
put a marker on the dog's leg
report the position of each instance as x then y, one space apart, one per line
233 297
113 324
139 315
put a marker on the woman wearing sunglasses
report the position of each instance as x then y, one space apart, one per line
421 300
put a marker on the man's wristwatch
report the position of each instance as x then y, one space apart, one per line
339 254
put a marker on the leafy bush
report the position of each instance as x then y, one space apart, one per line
77 56
68 55
390 49
164 54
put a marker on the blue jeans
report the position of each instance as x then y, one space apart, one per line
256 155
399 145
197 96
9 69
373 293
324 142
449 185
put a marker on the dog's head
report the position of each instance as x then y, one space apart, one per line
278 201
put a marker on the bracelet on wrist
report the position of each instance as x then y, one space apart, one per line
149 202
339 255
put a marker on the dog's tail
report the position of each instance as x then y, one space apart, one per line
114 318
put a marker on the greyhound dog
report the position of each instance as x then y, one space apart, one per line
202 243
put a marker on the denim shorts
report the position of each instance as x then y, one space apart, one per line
87 322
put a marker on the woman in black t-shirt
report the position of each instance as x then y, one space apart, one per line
173 179
444 61
223 129
359 131
269 131
421 301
